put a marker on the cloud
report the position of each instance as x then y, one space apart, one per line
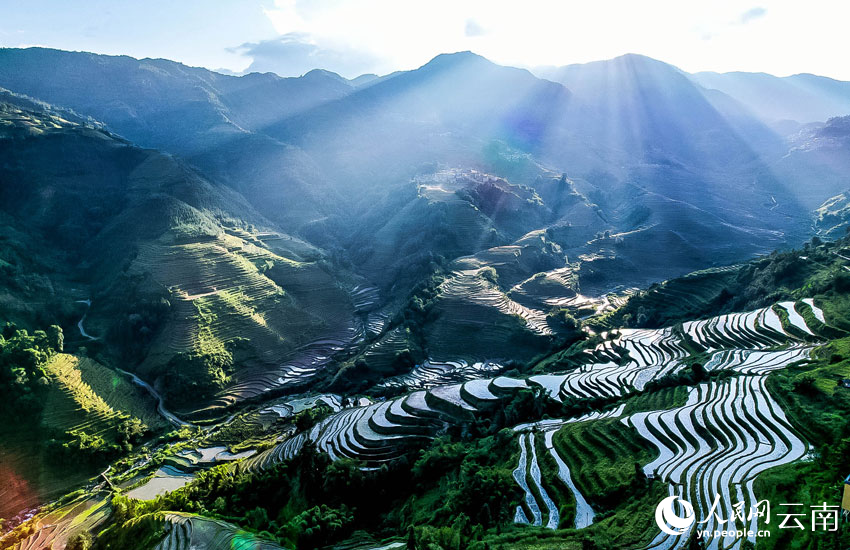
473 28
296 53
752 14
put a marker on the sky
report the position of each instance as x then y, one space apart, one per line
291 37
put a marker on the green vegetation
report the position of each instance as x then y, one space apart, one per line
84 427
457 492
203 370
311 501
202 299
67 415
24 377
602 457
398 347
665 398
816 269
563 319
820 410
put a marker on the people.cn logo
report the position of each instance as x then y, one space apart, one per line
670 522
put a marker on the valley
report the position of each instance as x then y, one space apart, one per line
464 306
690 403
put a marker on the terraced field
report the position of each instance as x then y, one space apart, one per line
365 298
434 373
474 320
297 369
467 221
461 226
755 361
83 399
53 530
584 513
186 531
383 431
718 441
119 393
470 287
221 274
499 298
164 480
716 444
89 397
381 355
72 405
291 407
556 288
684 297
528 468
229 289
756 329
632 357
760 328
539 501
428 342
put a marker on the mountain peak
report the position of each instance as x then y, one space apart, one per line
317 74
456 59
637 57
632 61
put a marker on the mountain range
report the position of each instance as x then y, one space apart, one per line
603 176
468 305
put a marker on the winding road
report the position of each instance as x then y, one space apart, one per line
80 323
176 422
159 406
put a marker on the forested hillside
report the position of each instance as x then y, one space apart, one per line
463 306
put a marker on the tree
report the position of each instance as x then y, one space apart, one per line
258 518
639 473
698 372
527 404
490 274
568 325
319 526
805 385
343 479
131 431
694 542
82 541
308 418
55 338
641 316
220 505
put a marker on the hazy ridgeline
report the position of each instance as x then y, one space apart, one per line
462 306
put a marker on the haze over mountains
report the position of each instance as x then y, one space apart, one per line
800 98
614 174
329 313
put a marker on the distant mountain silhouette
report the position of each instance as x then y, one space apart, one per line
801 97
658 156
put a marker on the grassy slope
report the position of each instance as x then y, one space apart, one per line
119 393
83 396
146 233
71 404
86 395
